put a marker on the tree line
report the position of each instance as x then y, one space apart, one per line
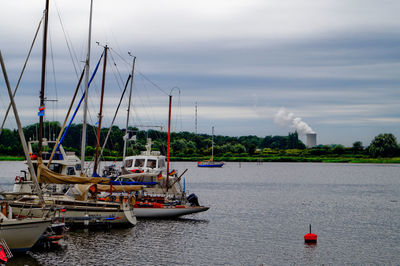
187 144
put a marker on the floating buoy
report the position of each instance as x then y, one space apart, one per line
310 238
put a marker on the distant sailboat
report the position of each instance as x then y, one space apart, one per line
210 163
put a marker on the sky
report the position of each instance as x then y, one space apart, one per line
254 67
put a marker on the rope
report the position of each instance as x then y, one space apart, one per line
67 40
22 72
79 104
155 85
115 115
66 118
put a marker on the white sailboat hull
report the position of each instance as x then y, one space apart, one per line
21 235
167 212
78 213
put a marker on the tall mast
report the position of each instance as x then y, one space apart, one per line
169 136
43 79
96 158
129 108
212 144
195 120
83 145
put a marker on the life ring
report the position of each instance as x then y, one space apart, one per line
18 179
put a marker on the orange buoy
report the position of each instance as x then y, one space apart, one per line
310 238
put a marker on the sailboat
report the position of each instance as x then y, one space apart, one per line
162 195
154 200
210 163
20 234
77 206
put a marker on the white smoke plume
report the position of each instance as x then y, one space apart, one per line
283 118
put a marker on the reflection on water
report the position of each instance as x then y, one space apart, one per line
22 260
259 215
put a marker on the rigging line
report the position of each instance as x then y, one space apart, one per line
179 115
22 72
155 85
80 102
54 71
66 117
148 113
115 115
119 74
67 40
123 59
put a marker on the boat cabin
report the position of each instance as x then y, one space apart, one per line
63 162
145 163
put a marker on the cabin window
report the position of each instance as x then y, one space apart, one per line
151 163
139 163
70 171
78 167
128 163
161 163
55 167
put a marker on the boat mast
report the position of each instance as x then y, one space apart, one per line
43 79
212 144
129 108
169 137
195 121
21 134
96 158
83 145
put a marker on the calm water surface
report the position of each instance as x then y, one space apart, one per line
259 215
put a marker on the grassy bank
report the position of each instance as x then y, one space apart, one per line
295 159
11 158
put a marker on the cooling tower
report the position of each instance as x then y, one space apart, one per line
311 140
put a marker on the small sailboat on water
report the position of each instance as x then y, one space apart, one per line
210 163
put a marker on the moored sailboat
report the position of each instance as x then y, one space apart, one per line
211 163
20 235
162 195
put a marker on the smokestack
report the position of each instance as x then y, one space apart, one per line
311 140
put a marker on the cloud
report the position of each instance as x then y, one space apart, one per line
283 118
336 63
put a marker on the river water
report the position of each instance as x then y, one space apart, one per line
259 214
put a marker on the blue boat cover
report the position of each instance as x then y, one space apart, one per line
133 183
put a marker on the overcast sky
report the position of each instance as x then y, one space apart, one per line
253 67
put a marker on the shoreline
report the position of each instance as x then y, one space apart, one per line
288 159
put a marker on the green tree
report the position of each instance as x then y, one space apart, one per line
384 145
357 147
338 149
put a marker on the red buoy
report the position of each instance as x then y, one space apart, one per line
310 238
